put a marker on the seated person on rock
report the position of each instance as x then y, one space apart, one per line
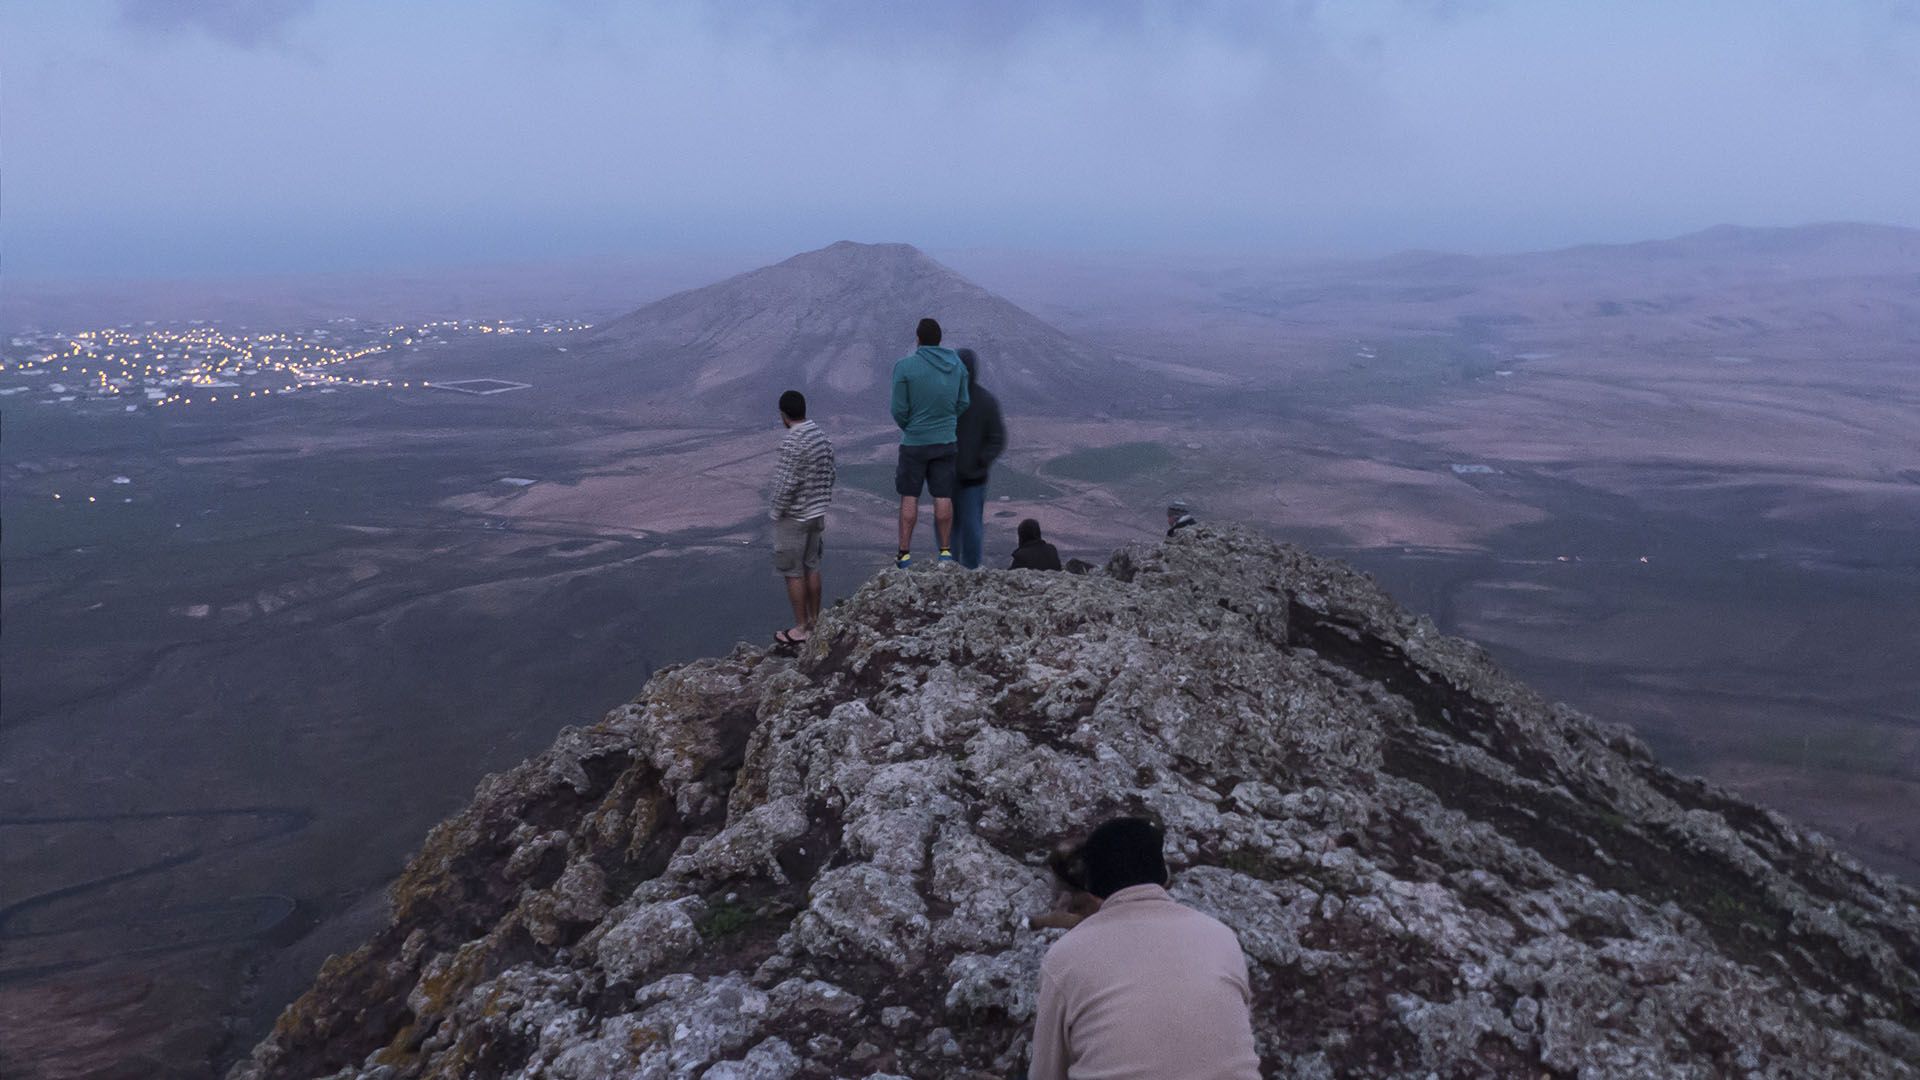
1144 988
1034 553
1179 516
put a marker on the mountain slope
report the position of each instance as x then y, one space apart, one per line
1734 286
831 323
824 867
1802 250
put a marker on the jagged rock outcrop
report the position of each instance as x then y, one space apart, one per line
769 868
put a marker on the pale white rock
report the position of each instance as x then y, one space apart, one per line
649 938
861 912
772 1059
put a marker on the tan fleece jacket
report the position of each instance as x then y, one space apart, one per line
1144 989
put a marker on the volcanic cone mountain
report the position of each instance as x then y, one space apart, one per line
823 867
831 323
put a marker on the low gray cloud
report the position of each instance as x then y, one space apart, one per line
549 126
248 24
934 29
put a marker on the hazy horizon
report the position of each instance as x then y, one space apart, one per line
189 138
452 263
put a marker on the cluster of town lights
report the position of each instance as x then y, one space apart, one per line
196 365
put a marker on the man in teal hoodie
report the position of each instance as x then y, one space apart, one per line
929 394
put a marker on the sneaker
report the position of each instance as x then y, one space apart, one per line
904 561
946 555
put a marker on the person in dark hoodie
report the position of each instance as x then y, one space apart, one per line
1033 552
980 436
929 394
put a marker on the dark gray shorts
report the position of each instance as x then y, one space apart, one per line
797 546
932 465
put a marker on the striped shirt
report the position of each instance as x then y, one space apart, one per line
803 481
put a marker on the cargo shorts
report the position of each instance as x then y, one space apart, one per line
797 546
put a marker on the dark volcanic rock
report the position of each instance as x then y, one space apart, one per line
822 868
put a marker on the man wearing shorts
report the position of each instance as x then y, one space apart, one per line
929 394
802 488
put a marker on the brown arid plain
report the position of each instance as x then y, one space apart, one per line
1675 484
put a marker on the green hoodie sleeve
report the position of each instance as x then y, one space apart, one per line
960 403
901 410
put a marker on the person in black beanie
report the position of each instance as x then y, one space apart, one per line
1033 552
981 436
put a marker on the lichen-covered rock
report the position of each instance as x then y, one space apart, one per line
648 939
823 867
863 912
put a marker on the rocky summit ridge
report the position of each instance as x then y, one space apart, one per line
774 868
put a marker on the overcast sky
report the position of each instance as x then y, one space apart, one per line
174 137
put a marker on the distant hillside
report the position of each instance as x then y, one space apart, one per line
1859 246
1757 282
1845 249
832 322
